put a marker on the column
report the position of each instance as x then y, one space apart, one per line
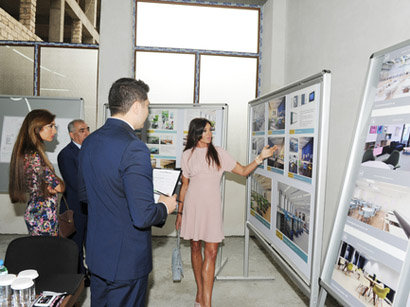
56 23
118 45
28 14
76 31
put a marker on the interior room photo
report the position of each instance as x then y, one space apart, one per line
370 281
387 146
383 206
318 61
293 215
261 193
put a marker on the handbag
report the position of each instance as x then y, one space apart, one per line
177 270
66 222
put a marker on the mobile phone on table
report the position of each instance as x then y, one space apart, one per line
44 300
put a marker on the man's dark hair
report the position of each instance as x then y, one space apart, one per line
124 92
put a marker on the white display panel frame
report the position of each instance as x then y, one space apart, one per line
303 122
359 240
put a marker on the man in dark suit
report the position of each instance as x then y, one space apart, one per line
116 182
68 165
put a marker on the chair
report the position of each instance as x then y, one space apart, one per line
381 293
54 258
393 159
350 268
368 156
367 215
362 283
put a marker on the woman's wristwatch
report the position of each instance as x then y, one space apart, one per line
258 159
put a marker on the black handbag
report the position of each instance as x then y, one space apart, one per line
66 222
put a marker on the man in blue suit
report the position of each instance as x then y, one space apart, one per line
116 182
68 165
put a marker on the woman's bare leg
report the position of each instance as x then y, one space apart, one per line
208 273
196 260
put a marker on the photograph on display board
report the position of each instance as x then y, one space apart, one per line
257 145
383 206
394 79
153 149
161 119
162 144
293 163
200 113
305 156
167 145
295 101
387 147
258 118
167 163
261 191
152 139
368 281
293 218
277 160
303 110
301 156
276 118
293 155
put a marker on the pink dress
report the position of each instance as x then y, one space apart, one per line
202 216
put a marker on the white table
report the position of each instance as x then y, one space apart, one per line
367 209
392 218
397 231
377 164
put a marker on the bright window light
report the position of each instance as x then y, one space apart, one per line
170 76
197 27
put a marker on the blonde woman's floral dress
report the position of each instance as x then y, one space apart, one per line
41 212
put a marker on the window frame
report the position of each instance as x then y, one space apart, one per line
199 52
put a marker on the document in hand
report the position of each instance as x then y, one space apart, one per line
165 181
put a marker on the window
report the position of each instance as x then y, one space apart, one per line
17 70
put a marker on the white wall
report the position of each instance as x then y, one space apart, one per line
339 36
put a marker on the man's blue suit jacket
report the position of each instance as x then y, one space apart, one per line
116 182
68 164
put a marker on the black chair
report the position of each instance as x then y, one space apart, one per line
368 156
54 258
393 159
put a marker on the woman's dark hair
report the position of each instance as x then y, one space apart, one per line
28 141
196 128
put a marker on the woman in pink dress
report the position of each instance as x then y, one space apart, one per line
199 215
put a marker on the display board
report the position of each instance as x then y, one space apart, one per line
286 193
13 111
370 240
166 129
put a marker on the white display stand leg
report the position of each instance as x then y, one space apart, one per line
245 276
322 297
